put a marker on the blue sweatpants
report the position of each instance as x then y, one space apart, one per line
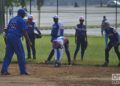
14 45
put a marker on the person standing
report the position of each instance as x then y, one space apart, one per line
15 30
114 42
31 28
80 38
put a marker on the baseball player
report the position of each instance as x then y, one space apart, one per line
66 46
15 30
80 38
114 42
57 31
31 28
58 45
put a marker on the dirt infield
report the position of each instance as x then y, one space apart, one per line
47 75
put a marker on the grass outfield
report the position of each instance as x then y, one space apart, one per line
94 54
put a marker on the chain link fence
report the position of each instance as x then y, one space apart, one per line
70 11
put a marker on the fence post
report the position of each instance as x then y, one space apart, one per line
57 7
116 15
86 13
30 6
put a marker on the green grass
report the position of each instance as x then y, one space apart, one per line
94 54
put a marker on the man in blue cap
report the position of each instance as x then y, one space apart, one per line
15 30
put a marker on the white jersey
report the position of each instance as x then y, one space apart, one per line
59 52
60 40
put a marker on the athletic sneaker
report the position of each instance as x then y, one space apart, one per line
57 64
5 73
119 64
24 73
105 64
47 62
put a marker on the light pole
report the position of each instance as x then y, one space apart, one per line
116 15
86 13
30 6
57 7
101 3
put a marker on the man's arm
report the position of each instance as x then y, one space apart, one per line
37 30
75 36
102 29
85 33
27 37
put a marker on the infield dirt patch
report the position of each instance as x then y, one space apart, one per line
48 75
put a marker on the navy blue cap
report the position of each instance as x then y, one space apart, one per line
21 11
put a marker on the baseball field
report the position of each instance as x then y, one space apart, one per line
85 73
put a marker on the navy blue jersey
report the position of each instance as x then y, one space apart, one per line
80 30
112 34
30 29
57 31
16 26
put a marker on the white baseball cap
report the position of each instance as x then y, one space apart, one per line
56 17
81 18
30 16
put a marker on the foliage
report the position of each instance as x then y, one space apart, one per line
9 3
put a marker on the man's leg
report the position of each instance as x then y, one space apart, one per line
50 56
107 50
82 49
33 48
77 49
58 56
28 50
66 45
20 56
117 52
7 59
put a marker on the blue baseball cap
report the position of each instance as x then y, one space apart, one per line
21 11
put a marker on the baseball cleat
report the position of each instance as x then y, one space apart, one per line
5 73
105 64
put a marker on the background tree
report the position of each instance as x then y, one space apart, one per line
22 3
2 19
7 4
4 6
